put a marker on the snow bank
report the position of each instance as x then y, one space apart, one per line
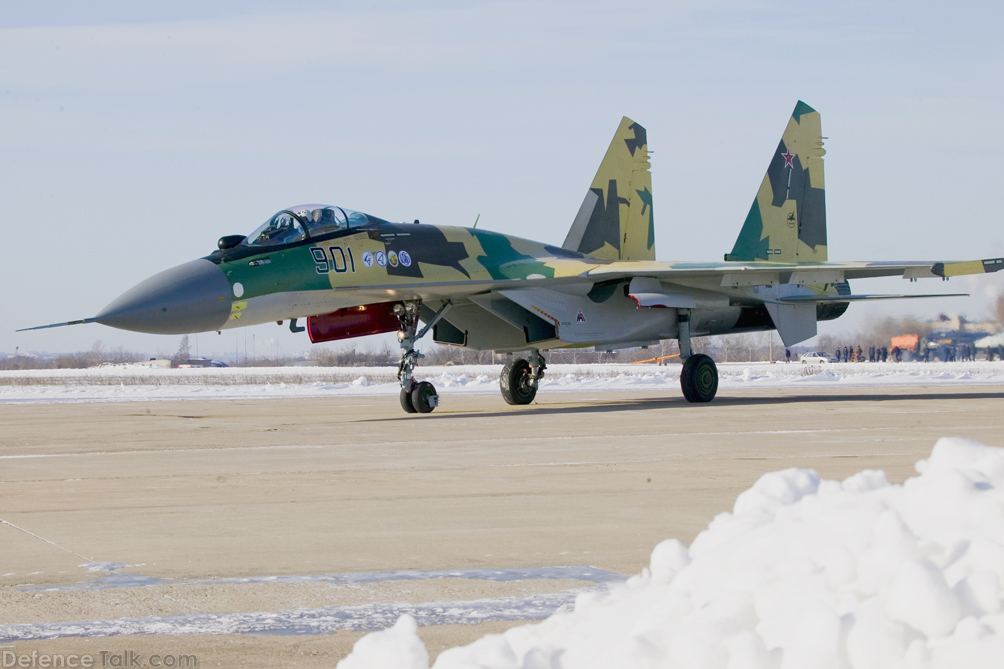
398 647
802 573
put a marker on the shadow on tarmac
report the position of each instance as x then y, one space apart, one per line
642 404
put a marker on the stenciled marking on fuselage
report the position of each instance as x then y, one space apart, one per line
546 315
340 259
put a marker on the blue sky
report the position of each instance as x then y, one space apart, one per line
136 135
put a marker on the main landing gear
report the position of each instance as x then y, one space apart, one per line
699 377
421 396
520 378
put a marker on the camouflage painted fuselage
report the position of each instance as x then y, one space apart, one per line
382 262
507 293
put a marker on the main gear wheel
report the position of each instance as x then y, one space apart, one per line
517 383
699 378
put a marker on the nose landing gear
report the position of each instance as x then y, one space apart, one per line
416 397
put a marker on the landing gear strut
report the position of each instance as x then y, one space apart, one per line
699 376
416 397
520 378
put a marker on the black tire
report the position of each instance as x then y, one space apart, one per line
699 378
406 401
515 382
424 398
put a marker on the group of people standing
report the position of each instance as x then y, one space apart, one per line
959 353
851 354
962 353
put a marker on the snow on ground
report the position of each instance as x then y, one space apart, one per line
326 620
323 620
802 573
129 580
138 383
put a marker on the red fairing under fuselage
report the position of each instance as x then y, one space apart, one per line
352 322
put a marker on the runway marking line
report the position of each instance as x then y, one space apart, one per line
411 443
53 543
161 450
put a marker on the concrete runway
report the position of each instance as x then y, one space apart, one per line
202 491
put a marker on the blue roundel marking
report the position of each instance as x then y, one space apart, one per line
405 258
381 258
368 258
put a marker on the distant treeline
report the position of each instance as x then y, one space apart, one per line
98 355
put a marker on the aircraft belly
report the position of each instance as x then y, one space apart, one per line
580 320
285 305
482 330
714 321
536 328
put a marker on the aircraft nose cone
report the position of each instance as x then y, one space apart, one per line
193 297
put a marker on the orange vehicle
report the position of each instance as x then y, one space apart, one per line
908 342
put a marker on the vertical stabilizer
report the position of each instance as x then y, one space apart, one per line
787 222
615 220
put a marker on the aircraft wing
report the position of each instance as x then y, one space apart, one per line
769 273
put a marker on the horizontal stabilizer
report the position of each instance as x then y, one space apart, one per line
861 298
58 325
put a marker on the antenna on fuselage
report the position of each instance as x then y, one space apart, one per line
476 221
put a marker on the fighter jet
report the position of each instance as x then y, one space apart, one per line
352 274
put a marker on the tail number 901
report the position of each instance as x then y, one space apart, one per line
336 259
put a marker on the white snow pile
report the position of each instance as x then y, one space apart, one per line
804 573
126 384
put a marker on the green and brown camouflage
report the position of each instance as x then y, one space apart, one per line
787 221
616 220
602 287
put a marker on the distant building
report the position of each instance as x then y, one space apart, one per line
946 338
194 363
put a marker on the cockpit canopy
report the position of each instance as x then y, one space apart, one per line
305 221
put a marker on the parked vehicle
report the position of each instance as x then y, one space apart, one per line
816 357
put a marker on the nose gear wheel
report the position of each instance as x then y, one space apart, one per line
423 397
406 401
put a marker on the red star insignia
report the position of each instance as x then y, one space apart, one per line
788 157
